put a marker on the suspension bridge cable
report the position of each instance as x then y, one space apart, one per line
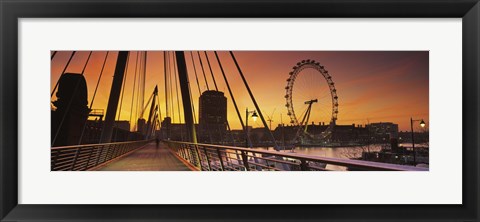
166 82
86 63
137 89
203 70
231 96
213 77
133 93
69 103
177 82
254 102
98 81
63 72
216 88
211 72
137 114
199 94
189 89
172 111
144 78
83 71
93 98
142 112
167 85
141 92
193 106
140 108
153 124
191 101
195 71
53 55
159 109
158 121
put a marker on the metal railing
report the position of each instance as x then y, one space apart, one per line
208 157
84 157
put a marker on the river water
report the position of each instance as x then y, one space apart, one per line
337 152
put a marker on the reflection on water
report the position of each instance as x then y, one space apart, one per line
335 152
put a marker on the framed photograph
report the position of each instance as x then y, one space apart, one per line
225 110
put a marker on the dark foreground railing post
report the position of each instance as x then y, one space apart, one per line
89 157
77 152
245 160
116 148
54 162
99 153
181 152
184 153
196 157
220 159
189 152
207 159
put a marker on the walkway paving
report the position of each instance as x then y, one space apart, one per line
148 158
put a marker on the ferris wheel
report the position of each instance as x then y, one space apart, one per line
311 96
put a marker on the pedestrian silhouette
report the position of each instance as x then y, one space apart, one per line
157 141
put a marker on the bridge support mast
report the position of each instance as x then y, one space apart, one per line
107 130
187 103
150 115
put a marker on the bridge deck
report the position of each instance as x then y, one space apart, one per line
148 158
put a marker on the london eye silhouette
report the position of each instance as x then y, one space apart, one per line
311 96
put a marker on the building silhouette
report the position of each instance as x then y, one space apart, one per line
212 116
141 125
70 110
70 124
383 131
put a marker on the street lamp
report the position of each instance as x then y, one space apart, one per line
254 116
422 124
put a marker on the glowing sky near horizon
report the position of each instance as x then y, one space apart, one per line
372 86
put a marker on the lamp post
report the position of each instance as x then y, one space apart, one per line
422 124
254 116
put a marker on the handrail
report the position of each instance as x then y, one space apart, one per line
198 155
98 144
85 157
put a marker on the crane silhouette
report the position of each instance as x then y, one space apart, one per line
269 120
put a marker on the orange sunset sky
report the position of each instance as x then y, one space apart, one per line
379 86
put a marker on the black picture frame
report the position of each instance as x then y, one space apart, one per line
11 11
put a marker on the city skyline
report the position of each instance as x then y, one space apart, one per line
375 86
